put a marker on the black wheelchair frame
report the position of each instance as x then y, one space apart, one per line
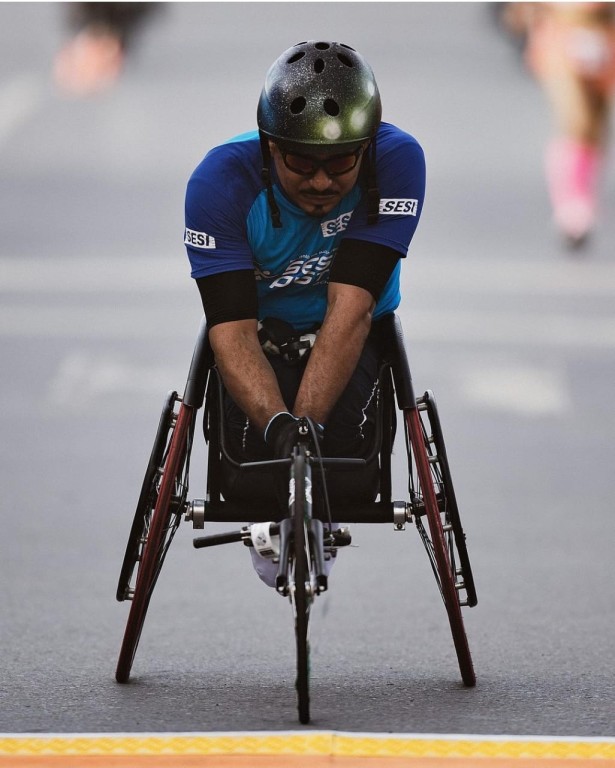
304 541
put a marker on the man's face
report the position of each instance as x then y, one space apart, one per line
318 192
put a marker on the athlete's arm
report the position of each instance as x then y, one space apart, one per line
230 304
245 371
336 351
358 275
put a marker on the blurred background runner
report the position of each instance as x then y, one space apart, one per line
570 50
102 33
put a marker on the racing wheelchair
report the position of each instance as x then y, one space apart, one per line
301 543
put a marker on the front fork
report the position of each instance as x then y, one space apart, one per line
315 551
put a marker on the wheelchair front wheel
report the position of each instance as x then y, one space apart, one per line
158 516
301 584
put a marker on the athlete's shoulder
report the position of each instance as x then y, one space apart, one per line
390 138
234 163
400 160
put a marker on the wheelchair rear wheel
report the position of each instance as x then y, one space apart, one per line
432 496
142 518
159 511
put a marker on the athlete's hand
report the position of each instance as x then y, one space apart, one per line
284 431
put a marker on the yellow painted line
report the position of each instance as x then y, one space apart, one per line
330 743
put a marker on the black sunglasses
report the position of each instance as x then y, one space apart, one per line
306 165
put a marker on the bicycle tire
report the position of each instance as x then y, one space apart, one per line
301 598
140 521
165 519
445 575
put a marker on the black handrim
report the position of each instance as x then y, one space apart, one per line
442 477
147 500
171 488
426 503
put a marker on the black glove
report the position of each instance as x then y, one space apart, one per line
282 433
285 430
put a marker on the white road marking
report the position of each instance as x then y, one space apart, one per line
98 322
523 389
443 275
87 274
557 278
83 378
502 328
19 100
471 327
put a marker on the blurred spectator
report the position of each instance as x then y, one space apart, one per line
570 49
102 33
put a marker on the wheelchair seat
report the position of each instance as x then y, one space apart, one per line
250 484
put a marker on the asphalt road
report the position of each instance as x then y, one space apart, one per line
98 317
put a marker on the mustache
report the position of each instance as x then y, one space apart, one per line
315 194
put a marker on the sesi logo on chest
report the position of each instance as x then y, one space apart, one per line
305 270
400 206
333 226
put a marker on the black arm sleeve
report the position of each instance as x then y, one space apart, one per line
364 264
229 296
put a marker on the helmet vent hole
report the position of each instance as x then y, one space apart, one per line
345 59
322 46
297 105
332 107
296 57
319 65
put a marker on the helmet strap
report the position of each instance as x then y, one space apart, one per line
266 177
373 193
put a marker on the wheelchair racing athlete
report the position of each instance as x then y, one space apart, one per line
295 235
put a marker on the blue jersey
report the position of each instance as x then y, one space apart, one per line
228 225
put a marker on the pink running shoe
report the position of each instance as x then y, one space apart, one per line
572 169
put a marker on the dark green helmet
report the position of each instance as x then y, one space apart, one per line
320 93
